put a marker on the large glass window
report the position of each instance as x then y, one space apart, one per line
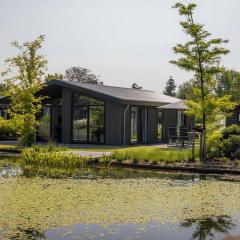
96 124
88 119
80 124
134 124
138 124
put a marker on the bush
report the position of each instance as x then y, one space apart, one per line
231 130
7 131
225 143
231 147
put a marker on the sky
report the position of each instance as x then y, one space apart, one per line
122 41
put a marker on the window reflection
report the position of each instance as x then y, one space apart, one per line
80 119
88 119
96 124
44 127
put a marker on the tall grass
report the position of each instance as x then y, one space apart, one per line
154 155
40 157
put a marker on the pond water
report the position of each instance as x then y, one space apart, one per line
100 203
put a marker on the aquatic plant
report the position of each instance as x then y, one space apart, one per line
38 156
42 203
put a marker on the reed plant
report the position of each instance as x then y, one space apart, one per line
33 156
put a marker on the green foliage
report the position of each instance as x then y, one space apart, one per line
2 87
51 147
83 75
7 130
228 83
226 143
22 88
55 76
231 130
170 88
153 155
202 55
185 90
54 156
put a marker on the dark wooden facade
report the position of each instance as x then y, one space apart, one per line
117 132
118 126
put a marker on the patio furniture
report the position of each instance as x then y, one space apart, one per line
172 136
184 136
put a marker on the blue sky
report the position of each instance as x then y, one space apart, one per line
123 41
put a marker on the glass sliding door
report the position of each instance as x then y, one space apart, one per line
138 124
80 124
88 120
134 125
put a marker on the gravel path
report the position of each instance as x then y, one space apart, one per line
91 154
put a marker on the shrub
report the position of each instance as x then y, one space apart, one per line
231 147
231 130
214 145
7 131
225 143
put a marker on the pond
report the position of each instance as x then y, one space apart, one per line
100 203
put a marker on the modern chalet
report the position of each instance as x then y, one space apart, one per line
75 112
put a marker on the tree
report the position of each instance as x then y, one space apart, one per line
136 86
55 76
202 56
79 74
170 88
23 80
209 227
185 90
228 82
2 86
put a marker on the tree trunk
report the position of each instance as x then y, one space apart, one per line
204 144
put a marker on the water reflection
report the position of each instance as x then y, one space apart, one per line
30 234
112 173
207 228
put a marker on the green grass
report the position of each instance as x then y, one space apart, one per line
153 155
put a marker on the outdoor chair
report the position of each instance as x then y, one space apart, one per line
184 136
172 136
